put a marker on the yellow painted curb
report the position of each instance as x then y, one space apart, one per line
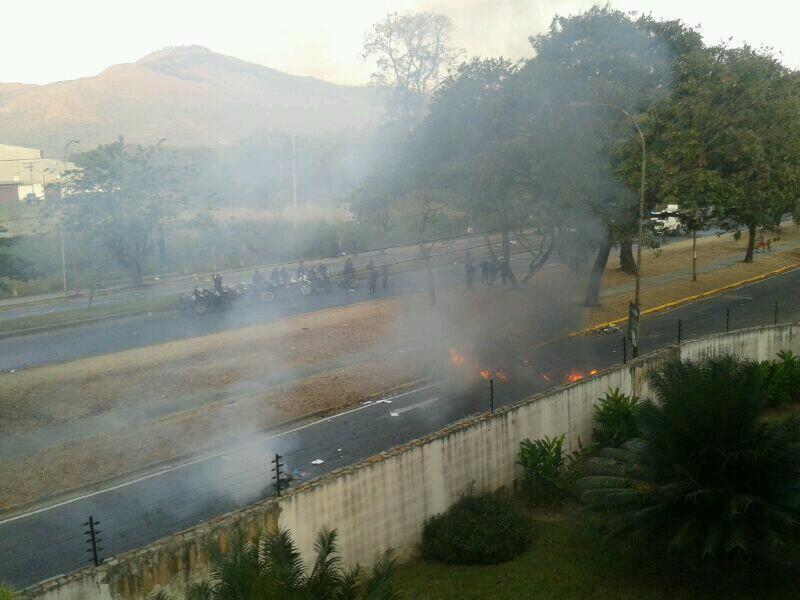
688 299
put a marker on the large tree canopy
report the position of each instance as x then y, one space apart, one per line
727 142
118 195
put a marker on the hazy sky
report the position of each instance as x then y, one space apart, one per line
56 40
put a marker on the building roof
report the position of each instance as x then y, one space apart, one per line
23 166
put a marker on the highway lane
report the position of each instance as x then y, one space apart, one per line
48 542
114 335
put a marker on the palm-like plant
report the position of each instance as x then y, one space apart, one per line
7 592
270 567
707 479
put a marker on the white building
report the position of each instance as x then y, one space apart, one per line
25 172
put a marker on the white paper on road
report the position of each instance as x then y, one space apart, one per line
400 411
317 461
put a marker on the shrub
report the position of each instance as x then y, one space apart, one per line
7 592
782 379
477 530
708 479
615 417
548 470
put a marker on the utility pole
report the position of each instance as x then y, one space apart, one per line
491 394
277 470
636 310
294 172
93 540
63 243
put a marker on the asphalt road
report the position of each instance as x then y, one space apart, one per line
114 335
50 541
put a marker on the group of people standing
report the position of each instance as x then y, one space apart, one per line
490 268
280 276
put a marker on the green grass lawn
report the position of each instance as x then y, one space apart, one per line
563 563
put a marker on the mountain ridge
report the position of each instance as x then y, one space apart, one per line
188 94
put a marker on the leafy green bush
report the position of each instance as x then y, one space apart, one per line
7 592
477 530
615 417
708 479
270 566
782 379
548 470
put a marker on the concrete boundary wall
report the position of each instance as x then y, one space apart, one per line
382 502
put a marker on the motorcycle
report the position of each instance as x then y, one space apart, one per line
202 300
349 282
271 291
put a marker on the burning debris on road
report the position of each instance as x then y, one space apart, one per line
574 376
459 360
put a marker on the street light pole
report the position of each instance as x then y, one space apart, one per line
63 243
636 296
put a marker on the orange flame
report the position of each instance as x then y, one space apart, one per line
486 374
545 376
574 376
456 358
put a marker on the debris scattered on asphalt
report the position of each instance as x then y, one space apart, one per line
317 461
605 330
394 414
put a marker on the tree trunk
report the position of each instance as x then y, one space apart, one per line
626 261
751 243
596 276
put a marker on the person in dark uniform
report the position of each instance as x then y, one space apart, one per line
217 283
385 274
349 268
503 268
372 277
492 271
469 265
373 280
275 277
258 280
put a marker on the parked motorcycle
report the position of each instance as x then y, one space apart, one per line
349 282
203 300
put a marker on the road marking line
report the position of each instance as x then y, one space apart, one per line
195 461
693 298
428 402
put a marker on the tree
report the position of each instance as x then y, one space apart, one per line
119 195
11 265
413 55
708 479
728 141
270 567
599 58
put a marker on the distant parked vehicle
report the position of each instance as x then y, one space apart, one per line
666 221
